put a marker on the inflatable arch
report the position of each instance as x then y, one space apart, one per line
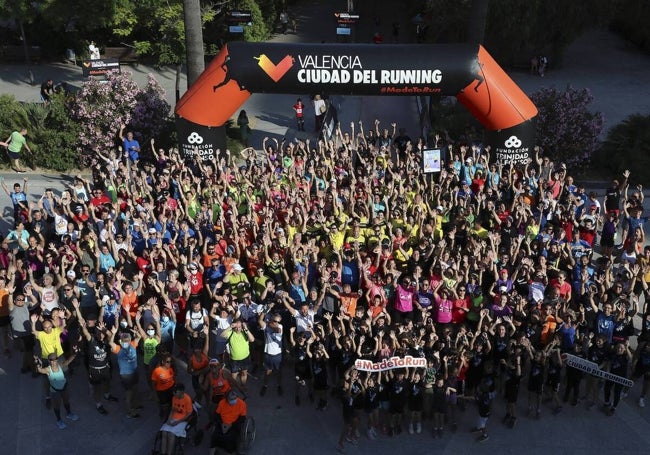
467 72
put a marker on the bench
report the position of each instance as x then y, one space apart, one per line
123 54
11 53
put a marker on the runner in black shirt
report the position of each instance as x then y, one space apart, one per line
618 365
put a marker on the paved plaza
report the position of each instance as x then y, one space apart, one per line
616 76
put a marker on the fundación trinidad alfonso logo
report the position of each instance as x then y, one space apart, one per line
275 72
513 142
195 138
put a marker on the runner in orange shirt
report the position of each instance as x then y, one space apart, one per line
230 415
181 411
163 379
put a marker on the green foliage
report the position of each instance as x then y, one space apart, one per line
449 27
12 116
259 31
518 30
233 138
56 138
630 19
52 136
270 10
566 128
448 116
627 146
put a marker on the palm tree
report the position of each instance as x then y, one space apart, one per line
193 40
477 20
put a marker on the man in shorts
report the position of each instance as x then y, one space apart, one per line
14 143
272 329
127 361
239 339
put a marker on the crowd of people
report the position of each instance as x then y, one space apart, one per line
307 256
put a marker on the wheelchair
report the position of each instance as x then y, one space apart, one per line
245 438
192 434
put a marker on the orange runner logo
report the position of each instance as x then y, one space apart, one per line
275 72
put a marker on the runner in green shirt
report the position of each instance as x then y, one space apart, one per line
15 142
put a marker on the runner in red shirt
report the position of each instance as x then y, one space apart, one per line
299 108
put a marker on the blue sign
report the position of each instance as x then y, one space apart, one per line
342 31
236 29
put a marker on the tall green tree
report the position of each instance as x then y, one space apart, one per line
518 30
157 28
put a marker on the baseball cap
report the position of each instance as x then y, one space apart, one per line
152 230
236 266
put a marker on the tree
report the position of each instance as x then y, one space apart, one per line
518 30
157 28
566 128
258 30
627 146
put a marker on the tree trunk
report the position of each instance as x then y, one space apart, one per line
477 20
193 40
30 75
179 67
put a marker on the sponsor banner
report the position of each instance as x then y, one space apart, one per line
99 67
391 363
239 17
195 139
592 369
353 69
346 18
431 161
513 144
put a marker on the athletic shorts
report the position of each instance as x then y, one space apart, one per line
129 381
240 365
98 376
272 362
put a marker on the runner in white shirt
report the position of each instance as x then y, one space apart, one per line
304 316
271 325
48 292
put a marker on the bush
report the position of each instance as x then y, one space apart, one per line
12 116
450 117
566 128
627 146
259 30
55 136
630 20
102 107
52 135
